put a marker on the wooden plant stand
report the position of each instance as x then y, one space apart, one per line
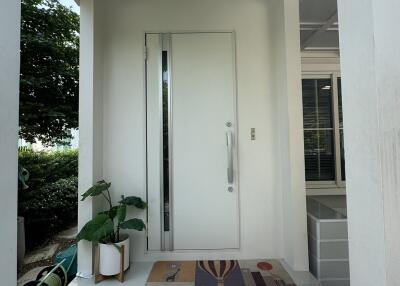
99 277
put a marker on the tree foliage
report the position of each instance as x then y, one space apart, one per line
49 71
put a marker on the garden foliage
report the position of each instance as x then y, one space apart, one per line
49 84
50 203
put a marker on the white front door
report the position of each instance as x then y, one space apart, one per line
198 141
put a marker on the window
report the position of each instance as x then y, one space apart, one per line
323 131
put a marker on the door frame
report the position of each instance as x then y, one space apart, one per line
236 160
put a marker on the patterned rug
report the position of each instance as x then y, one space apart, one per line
171 273
219 273
265 273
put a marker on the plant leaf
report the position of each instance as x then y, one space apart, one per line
112 213
121 213
96 190
96 229
133 201
134 223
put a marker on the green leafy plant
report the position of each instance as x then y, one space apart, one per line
50 204
47 167
106 226
48 209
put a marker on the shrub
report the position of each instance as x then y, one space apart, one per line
48 167
50 203
49 210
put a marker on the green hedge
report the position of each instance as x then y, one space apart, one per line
50 204
48 167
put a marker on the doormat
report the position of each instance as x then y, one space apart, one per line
219 273
265 273
172 273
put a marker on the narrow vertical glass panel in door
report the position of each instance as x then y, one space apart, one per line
165 138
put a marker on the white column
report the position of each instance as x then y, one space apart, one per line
370 61
286 68
10 17
295 213
90 125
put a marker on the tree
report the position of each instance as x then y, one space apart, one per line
49 87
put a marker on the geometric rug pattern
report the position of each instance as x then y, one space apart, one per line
219 273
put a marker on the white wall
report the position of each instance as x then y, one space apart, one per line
370 62
123 27
9 97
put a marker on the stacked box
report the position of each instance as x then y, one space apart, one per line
327 244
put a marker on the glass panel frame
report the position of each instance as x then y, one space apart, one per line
339 180
166 110
165 138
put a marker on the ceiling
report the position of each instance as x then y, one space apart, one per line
318 25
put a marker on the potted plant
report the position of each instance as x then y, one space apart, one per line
105 229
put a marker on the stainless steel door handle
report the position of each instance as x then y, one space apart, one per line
229 144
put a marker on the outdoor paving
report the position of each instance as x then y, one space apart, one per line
29 276
43 256
44 253
69 233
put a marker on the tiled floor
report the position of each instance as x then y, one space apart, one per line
138 273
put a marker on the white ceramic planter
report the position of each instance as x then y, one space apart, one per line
109 263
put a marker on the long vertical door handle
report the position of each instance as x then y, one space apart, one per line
229 144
